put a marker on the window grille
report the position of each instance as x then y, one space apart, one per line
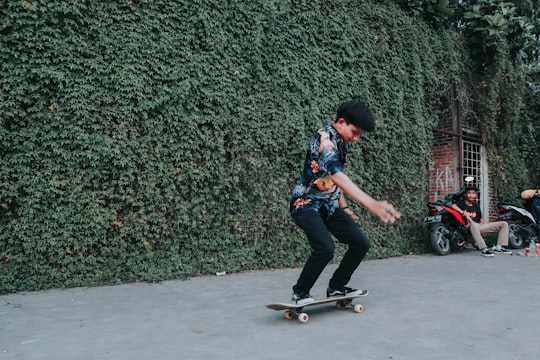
472 162
475 165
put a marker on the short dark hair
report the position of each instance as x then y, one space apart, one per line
357 113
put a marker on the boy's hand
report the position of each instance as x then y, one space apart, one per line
468 221
385 211
351 214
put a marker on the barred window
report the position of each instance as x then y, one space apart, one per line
475 165
472 161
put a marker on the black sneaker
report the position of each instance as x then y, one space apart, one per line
502 250
486 252
302 298
345 291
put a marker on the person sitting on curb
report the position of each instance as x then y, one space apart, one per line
470 210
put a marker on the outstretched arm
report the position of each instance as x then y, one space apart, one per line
382 209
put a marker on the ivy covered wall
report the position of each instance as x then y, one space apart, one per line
530 120
505 105
148 140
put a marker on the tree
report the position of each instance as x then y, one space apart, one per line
484 22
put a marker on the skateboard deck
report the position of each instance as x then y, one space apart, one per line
295 310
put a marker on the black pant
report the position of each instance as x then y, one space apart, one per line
318 228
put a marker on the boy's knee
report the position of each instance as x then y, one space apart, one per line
326 253
329 255
366 246
362 244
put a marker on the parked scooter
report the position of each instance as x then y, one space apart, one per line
523 225
446 226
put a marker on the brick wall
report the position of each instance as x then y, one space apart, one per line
442 170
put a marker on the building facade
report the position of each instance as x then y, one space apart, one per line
458 151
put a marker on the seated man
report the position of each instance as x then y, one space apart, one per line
475 223
532 201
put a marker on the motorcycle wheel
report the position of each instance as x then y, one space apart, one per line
515 237
440 241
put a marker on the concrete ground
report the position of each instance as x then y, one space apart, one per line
460 306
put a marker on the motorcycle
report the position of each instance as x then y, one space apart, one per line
522 224
447 228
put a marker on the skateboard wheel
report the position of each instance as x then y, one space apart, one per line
303 318
340 305
288 314
358 308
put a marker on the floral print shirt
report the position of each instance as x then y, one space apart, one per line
325 155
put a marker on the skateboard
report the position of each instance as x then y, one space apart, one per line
295 310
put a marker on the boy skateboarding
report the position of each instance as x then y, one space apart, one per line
319 206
